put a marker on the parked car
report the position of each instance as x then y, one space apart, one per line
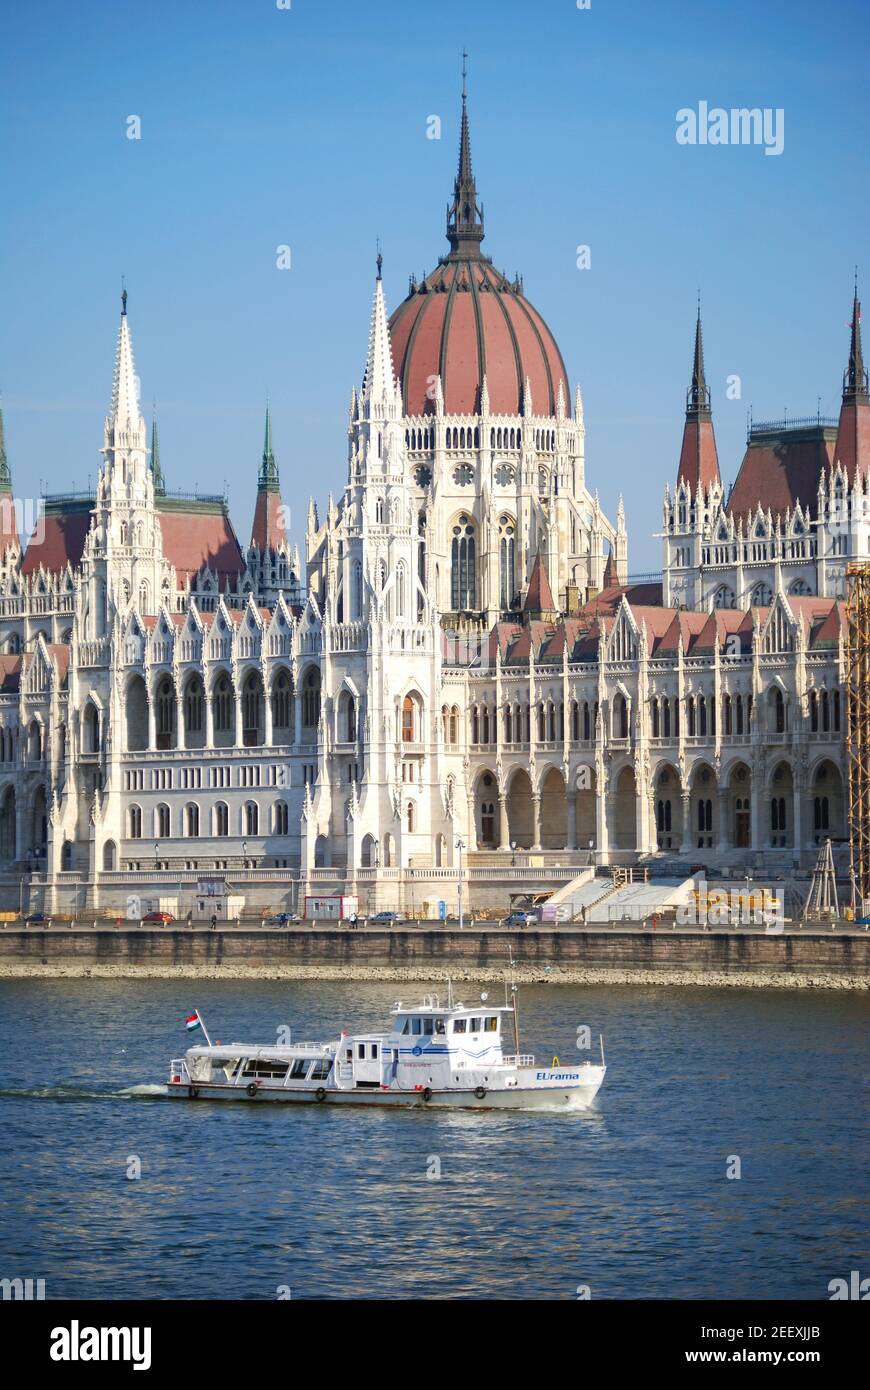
164 918
283 919
519 919
387 919
36 919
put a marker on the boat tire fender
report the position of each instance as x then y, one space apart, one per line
320 1094
192 1092
251 1089
427 1093
480 1092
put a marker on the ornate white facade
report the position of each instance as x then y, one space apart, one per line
462 668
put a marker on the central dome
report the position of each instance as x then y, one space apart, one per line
466 321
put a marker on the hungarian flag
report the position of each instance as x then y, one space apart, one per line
193 1022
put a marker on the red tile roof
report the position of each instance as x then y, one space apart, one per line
194 538
781 468
60 538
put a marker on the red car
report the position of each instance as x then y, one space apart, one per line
164 918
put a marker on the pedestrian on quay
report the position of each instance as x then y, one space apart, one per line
213 921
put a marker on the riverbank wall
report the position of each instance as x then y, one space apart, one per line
836 959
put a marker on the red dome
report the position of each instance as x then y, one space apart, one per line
465 321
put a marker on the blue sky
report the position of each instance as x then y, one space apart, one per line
307 127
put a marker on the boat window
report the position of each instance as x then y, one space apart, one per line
416 1025
439 1025
231 1067
406 1026
459 1025
491 1025
266 1067
320 1069
349 1054
299 1067
474 1025
361 1050
374 1050
428 1026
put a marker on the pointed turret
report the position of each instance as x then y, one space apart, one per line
379 380
853 434
699 460
611 577
125 428
465 214
268 531
156 470
8 520
538 603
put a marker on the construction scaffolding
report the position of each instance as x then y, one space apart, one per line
858 726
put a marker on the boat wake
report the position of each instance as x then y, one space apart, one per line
72 1093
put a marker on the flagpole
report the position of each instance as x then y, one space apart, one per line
203 1027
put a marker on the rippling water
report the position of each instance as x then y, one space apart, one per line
630 1199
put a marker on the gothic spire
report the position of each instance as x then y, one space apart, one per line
124 414
379 381
698 394
855 375
699 460
269 529
853 431
156 470
5 475
268 467
465 214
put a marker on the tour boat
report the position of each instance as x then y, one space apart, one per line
434 1055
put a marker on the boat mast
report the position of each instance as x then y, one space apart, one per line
516 1002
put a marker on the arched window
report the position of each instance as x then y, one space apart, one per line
409 720
193 706
311 699
221 819
252 818
109 855
281 818
282 700
357 590
222 700
251 706
134 822
163 822
463 583
400 590
165 713
506 561
191 820
411 815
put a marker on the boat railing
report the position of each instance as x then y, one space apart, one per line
520 1059
178 1067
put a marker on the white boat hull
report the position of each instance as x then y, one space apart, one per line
540 1095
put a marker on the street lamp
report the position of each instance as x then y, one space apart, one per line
460 845
245 853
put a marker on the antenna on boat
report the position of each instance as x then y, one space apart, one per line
449 993
516 1001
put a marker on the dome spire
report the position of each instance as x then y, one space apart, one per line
465 214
